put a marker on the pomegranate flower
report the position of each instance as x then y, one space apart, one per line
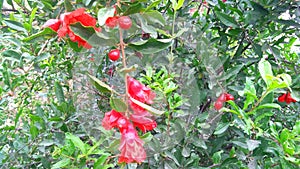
286 97
143 121
131 147
110 119
62 26
54 24
139 92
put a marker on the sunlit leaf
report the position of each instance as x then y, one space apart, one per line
147 107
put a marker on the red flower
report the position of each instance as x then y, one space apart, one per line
282 97
139 92
110 119
112 22
62 26
131 147
143 121
229 97
140 118
286 97
54 24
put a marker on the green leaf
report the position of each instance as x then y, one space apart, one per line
32 15
269 105
221 128
288 22
147 107
118 104
217 157
152 5
12 54
77 142
62 163
59 93
284 135
280 81
177 5
14 25
250 93
45 32
185 152
265 70
232 72
134 8
227 20
147 137
154 17
99 164
151 45
33 131
68 5
104 13
102 84
253 144
91 36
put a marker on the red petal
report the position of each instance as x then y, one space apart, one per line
228 96
110 119
131 147
54 24
289 99
143 122
218 105
222 97
282 97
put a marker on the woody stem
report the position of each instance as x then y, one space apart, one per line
122 46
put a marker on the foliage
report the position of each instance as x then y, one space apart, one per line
54 94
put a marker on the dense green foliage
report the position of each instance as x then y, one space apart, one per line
188 52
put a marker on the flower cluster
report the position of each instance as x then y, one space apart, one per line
286 97
62 25
131 146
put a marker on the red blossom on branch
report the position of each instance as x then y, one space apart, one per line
131 147
62 25
286 97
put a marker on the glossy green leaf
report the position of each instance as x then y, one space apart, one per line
265 69
76 141
284 135
14 25
250 93
133 8
11 54
104 13
177 5
152 5
217 157
44 33
100 163
227 20
59 93
102 84
62 163
33 131
118 104
269 105
253 144
147 107
147 137
91 36
68 5
154 17
221 128
151 45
